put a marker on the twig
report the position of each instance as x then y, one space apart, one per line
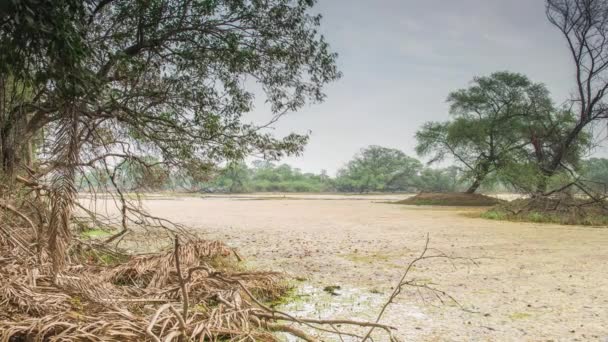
22 215
403 282
180 320
153 322
294 331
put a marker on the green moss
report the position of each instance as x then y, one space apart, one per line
95 233
290 296
76 303
519 315
493 215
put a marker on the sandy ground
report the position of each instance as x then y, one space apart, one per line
531 282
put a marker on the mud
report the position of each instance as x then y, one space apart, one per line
530 282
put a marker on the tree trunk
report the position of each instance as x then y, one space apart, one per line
541 186
482 172
7 154
474 186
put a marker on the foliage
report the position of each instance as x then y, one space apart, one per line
385 169
268 177
169 79
564 209
596 169
439 180
128 92
378 168
595 174
488 129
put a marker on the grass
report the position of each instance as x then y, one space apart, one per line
95 233
519 315
500 214
367 258
289 296
493 214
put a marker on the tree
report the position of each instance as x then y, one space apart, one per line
595 172
584 25
235 177
544 134
112 81
488 129
378 168
165 77
438 180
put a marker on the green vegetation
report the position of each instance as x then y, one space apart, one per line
374 169
595 174
519 315
499 126
378 168
95 233
579 212
267 177
161 90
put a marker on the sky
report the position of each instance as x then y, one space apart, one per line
400 60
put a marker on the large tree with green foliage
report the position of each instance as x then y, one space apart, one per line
489 124
109 81
170 78
378 168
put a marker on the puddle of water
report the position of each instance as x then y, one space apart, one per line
349 303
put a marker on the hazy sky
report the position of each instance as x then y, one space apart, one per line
401 58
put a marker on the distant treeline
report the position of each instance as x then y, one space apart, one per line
373 169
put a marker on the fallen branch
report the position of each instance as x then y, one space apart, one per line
182 282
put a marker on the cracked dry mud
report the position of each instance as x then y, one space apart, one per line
532 282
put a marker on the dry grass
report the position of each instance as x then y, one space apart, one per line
195 291
133 301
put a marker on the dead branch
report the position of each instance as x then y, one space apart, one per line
403 282
292 330
182 282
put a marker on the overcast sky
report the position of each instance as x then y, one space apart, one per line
401 58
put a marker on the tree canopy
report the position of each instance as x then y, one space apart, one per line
170 78
488 126
378 168
100 86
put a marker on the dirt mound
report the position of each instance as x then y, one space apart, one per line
457 199
562 210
